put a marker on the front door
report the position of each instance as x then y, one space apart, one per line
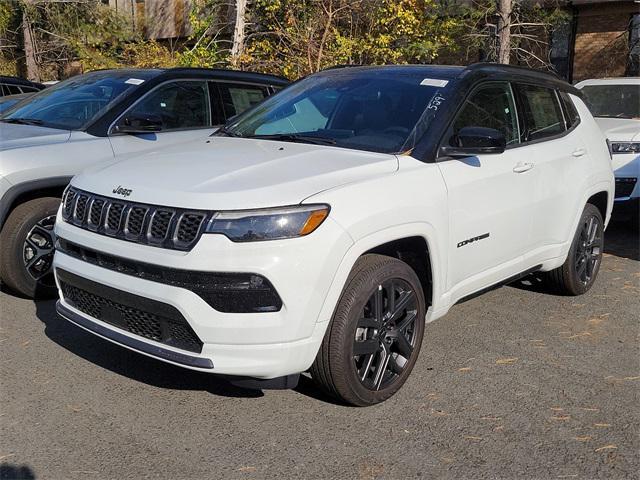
489 197
185 109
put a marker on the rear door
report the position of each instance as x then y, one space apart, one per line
489 196
558 154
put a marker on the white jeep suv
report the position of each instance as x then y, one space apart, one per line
321 230
615 104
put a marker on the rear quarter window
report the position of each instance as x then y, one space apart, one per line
572 118
541 112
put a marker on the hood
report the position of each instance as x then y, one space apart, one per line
619 129
17 136
234 173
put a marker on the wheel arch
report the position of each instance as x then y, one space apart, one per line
600 200
411 243
23 192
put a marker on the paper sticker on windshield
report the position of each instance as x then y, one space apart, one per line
134 81
434 82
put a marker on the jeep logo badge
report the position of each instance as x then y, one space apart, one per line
125 192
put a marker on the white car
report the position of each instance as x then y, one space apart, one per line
615 104
322 229
95 118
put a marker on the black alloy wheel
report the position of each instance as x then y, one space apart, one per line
385 335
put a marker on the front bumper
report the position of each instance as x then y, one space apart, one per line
261 345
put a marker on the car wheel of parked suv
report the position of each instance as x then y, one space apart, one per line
579 271
375 335
28 246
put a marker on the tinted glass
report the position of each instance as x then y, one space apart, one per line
491 106
617 101
236 98
571 114
74 103
12 89
381 112
180 105
542 113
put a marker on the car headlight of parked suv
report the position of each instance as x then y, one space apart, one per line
268 224
625 147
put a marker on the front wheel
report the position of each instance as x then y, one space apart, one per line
578 273
375 335
28 242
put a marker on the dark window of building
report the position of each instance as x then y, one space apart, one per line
559 51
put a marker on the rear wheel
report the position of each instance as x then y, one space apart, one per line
375 335
28 242
579 271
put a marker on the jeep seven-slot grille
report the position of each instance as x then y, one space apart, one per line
166 227
138 315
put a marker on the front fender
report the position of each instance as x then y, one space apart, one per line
367 243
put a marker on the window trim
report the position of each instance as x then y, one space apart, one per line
472 91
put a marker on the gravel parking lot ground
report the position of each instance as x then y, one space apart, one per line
514 384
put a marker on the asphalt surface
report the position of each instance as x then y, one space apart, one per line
517 383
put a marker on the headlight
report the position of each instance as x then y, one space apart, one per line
625 147
268 224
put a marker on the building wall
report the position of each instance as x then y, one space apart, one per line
158 19
602 39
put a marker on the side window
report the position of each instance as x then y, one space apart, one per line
12 89
180 105
541 112
490 106
29 89
572 118
236 98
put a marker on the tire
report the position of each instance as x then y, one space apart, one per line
356 327
579 271
25 266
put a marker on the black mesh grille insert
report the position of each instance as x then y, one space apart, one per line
138 315
160 225
114 216
189 227
81 208
95 214
69 202
135 220
165 227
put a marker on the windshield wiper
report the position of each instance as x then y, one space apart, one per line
22 121
225 131
295 137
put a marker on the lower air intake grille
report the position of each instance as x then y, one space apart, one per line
624 186
138 315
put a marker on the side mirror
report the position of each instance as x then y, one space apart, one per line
472 141
138 123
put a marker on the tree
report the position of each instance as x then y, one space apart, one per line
237 48
513 31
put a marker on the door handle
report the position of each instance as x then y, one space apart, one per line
578 152
522 167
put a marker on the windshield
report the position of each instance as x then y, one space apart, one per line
372 110
618 101
74 103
